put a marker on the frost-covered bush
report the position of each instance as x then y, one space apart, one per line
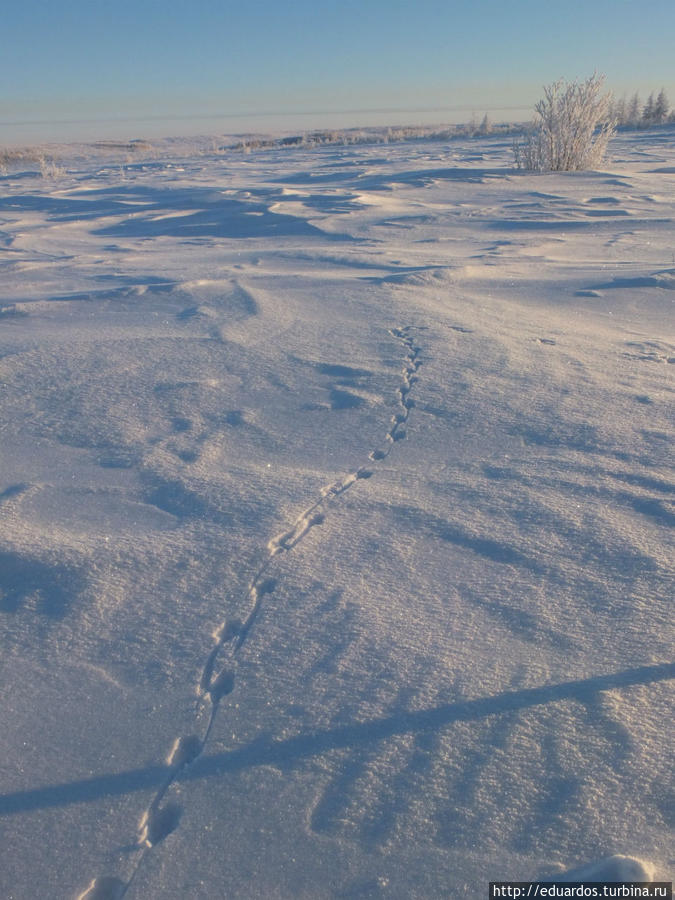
49 168
572 127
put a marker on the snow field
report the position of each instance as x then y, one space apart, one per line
335 523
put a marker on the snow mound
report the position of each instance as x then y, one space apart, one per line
612 868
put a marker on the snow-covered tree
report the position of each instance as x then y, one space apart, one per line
633 111
485 126
572 127
661 108
620 111
648 111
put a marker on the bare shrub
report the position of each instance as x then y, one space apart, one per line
49 168
572 127
11 157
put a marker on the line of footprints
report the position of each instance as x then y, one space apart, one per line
218 675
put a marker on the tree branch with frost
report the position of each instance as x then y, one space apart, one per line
572 127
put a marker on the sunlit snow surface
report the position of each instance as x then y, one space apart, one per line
336 507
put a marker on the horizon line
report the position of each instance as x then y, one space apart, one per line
267 113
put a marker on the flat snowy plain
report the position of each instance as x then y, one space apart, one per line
356 462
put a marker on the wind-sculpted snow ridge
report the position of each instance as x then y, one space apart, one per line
218 676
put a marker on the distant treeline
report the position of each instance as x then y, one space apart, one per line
379 135
624 112
627 112
633 113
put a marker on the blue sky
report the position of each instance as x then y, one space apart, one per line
71 66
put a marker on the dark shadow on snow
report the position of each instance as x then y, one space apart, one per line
290 752
46 587
147 212
444 530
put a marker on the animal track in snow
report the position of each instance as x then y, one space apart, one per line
105 888
650 351
221 685
218 676
158 823
184 751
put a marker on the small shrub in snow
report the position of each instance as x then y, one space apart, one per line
572 128
49 168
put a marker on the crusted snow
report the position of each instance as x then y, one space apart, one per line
336 506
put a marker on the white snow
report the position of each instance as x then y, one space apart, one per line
336 506
614 868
